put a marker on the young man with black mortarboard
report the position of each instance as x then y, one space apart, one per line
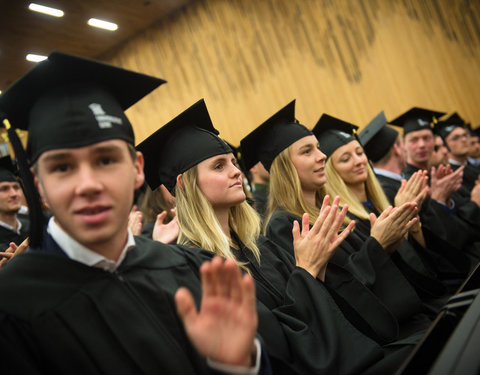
418 136
13 227
456 135
474 147
88 297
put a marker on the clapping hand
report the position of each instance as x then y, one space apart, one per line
314 247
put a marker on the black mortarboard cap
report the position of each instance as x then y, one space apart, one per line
445 127
333 133
417 119
272 137
179 145
7 170
455 118
377 138
68 101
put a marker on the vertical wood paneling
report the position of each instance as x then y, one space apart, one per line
348 58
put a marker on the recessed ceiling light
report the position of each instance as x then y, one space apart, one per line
35 58
102 24
45 10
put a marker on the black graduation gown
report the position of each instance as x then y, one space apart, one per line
260 198
7 235
441 232
470 174
59 316
322 340
414 263
361 273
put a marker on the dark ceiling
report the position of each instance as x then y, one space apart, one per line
23 31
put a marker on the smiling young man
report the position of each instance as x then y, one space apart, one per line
89 297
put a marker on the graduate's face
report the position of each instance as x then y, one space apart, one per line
220 180
419 146
474 147
457 142
309 162
440 153
350 162
89 191
10 197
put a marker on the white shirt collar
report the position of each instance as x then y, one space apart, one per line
19 226
454 162
82 254
385 173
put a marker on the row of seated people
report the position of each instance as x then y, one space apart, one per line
345 280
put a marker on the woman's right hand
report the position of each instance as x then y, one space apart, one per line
391 226
314 247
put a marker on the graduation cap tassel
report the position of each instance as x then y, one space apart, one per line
35 213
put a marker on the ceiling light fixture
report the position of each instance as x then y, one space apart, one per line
46 10
35 58
102 24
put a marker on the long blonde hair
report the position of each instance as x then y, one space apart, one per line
285 190
336 186
199 226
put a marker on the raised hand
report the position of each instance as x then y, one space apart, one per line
444 182
135 221
12 251
391 226
314 247
224 328
165 233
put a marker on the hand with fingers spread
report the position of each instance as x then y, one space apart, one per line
12 251
165 233
391 226
444 182
314 247
224 329
135 221
413 190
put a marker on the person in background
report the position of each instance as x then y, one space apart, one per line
456 135
14 227
439 154
259 181
474 147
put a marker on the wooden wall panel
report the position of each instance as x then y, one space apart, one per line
347 58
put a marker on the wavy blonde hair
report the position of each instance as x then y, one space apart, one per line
285 190
199 226
336 186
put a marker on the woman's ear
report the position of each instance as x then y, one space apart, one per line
180 180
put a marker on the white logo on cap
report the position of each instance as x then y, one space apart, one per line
104 121
422 122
